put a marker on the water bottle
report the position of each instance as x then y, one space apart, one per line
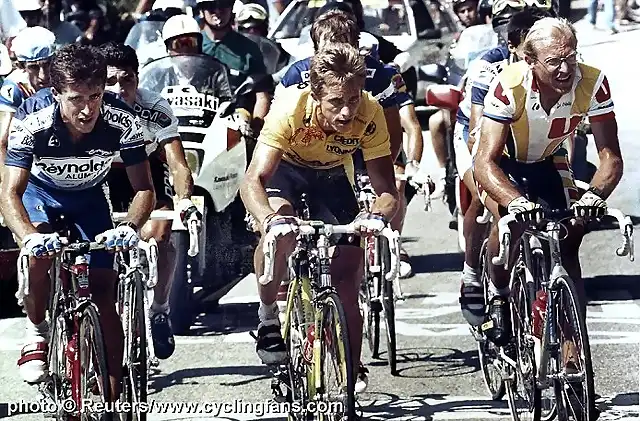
307 348
538 311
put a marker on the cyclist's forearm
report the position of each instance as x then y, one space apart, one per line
415 145
254 197
141 207
15 216
182 182
494 181
608 174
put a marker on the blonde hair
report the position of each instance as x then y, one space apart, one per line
336 64
545 29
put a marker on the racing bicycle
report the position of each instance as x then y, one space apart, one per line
138 273
76 356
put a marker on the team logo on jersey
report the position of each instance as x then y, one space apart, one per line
371 73
371 129
304 75
347 141
338 150
53 142
153 116
120 119
305 135
73 171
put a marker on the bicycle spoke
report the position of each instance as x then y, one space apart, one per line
94 378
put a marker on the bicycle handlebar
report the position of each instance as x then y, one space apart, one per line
172 215
317 228
504 233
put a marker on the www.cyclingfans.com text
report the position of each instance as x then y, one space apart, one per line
236 406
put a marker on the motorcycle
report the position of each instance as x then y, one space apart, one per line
275 58
146 38
198 90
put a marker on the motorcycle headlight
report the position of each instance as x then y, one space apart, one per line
193 160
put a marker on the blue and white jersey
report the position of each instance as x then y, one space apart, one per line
479 76
40 141
382 81
15 89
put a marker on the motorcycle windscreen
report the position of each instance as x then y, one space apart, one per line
146 38
194 85
270 52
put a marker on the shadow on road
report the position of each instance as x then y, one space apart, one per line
430 263
623 405
613 287
385 406
432 362
192 376
227 318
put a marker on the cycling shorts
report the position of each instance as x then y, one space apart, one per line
88 210
360 166
330 195
549 183
121 193
463 155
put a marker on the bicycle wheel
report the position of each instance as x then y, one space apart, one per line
336 359
488 353
389 305
370 308
522 391
58 387
576 372
94 378
136 375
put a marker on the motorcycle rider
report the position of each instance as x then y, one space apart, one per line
33 48
76 130
241 55
467 13
479 76
291 157
166 159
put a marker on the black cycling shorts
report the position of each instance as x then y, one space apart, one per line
549 183
121 193
329 193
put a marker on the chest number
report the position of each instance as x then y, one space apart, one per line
561 127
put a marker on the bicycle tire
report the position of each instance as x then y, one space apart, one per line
338 323
588 383
389 305
487 352
137 371
57 363
522 384
296 368
89 319
371 327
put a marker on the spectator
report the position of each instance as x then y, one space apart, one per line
48 16
609 14
10 24
31 11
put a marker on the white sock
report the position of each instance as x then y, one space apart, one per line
267 312
495 292
469 275
159 308
36 333
441 173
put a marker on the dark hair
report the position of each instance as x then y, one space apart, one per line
520 23
76 64
334 26
120 56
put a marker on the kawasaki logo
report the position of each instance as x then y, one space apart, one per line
73 170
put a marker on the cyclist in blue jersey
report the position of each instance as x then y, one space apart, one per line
33 48
479 76
61 145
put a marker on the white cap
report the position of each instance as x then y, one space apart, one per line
5 61
179 25
368 44
34 44
27 5
166 4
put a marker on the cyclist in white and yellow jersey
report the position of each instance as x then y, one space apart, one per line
531 108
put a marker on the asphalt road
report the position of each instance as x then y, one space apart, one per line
439 374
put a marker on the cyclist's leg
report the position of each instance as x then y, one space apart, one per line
282 191
438 130
163 341
471 291
33 357
397 222
91 213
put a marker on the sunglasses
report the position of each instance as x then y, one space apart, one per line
182 42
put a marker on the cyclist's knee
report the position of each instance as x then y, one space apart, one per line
436 120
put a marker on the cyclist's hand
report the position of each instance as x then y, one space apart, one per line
411 169
280 225
369 223
42 245
590 205
187 209
119 238
525 210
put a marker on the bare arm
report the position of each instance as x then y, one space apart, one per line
487 171
382 178
260 110
253 191
145 198
609 173
5 123
474 118
411 125
392 117
12 187
182 179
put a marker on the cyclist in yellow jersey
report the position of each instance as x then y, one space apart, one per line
309 134
530 109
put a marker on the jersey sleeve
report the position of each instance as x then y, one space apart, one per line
20 146
385 85
132 148
375 141
499 104
11 96
277 130
166 120
481 75
601 106
293 76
